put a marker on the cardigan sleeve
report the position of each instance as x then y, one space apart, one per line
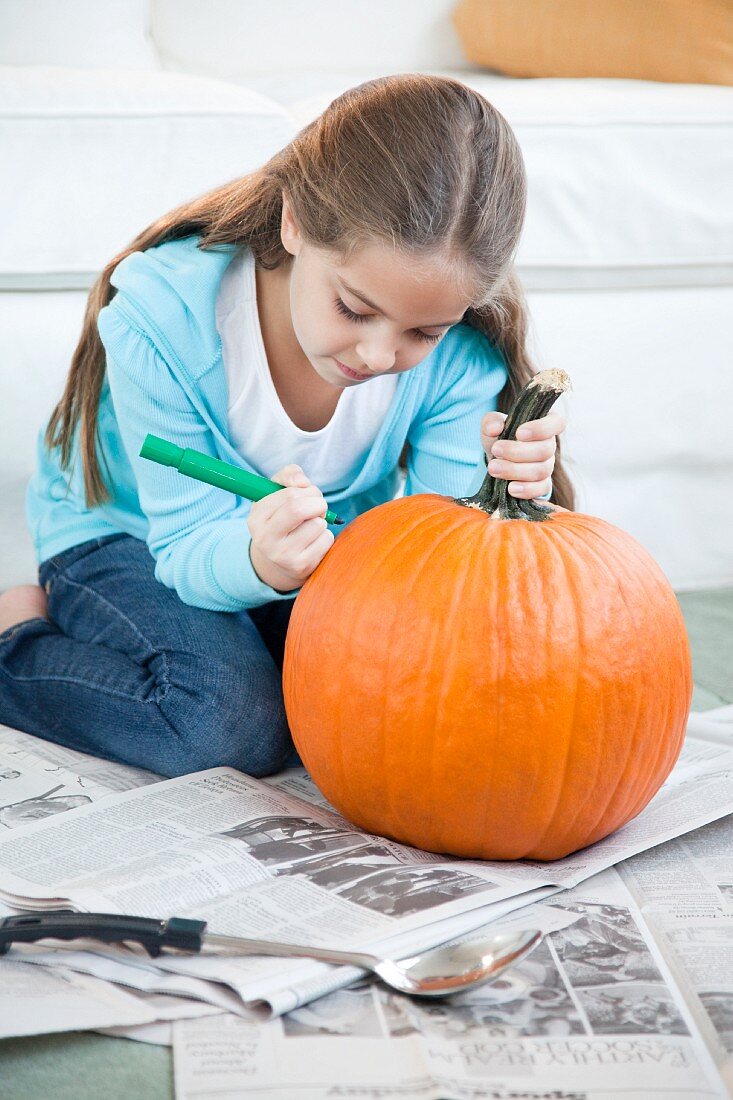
197 533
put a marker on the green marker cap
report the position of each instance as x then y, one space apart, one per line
160 450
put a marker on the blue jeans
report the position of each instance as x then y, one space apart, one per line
126 670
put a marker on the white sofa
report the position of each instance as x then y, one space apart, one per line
112 113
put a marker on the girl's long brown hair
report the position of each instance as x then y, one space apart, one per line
421 163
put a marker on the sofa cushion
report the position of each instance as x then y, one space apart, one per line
666 40
82 33
236 39
629 181
91 158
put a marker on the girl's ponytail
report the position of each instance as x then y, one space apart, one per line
80 400
208 217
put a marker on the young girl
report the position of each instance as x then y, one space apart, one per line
351 301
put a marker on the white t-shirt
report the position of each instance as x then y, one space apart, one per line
260 429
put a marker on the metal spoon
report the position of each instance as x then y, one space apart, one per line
438 972
450 968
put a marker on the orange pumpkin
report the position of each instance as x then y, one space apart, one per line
486 686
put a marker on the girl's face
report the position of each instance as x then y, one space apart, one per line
380 313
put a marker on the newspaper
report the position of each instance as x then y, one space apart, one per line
273 860
37 1000
685 891
82 992
594 1013
39 779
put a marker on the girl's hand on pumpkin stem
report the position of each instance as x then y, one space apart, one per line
527 462
289 532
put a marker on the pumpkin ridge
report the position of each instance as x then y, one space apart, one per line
636 795
463 529
647 565
387 748
395 813
500 657
569 550
435 778
571 587
423 528
517 550
491 542
583 533
377 564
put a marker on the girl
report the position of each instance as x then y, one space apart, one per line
351 301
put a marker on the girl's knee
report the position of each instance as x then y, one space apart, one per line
237 720
255 752
236 751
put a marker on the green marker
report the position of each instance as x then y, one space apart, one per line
213 471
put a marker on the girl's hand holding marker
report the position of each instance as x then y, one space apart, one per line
289 532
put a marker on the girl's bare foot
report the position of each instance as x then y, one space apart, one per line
17 605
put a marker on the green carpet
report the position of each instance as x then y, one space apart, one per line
709 618
84 1066
79 1065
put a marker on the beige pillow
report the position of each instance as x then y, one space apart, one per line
685 41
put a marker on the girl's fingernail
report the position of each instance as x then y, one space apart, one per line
524 433
515 489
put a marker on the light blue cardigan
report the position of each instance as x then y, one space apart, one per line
165 375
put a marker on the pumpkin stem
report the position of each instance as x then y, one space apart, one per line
534 402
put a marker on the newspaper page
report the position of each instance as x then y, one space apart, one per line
144 978
593 1013
167 1010
685 891
255 859
37 1000
232 851
39 779
58 997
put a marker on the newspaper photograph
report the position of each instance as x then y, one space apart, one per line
39 779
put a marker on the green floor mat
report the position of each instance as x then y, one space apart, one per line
709 619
